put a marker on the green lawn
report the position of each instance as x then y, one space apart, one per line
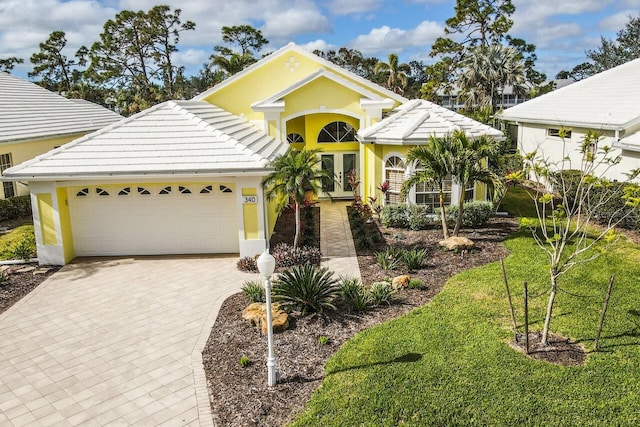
12 238
448 363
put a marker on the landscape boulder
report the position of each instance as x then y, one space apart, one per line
457 243
401 282
256 314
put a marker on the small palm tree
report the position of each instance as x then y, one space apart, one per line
468 166
231 63
434 162
294 173
397 73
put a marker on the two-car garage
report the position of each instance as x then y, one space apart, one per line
152 219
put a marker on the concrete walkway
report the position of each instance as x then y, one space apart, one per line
336 242
114 342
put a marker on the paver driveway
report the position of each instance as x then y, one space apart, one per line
114 342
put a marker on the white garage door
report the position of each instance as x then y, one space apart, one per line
154 220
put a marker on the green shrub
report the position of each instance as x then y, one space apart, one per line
389 259
288 256
245 361
254 291
306 288
414 258
416 283
381 293
474 214
323 340
15 207
354 294
419 217
25 249
247 264
394 216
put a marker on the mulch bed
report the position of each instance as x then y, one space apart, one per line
19 284
560 351
240 396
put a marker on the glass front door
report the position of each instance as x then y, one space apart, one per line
339 165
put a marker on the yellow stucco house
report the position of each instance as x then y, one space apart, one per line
34 120
184 176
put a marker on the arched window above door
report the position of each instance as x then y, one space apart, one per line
394 170
337 132
294 138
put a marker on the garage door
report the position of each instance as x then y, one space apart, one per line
154 219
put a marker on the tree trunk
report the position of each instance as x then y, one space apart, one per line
552 297
443 216
297 236
456 230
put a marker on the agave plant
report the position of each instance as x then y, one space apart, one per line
306 289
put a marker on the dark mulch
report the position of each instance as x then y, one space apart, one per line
17 285
560 351
240 396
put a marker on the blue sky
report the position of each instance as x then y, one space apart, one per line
561 29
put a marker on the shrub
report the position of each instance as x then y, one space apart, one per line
414 258
288 256
254 291
389 259
5 276
365 234
247 264
474 214
25 248
416 283
323 340
354 293
419 217
245 361
15 207
381 293
394 216
306 289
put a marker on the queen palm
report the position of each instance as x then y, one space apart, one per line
434 165
468 165
397 73
294 174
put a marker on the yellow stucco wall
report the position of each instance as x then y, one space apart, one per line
250 215
23 151
47 218
65 224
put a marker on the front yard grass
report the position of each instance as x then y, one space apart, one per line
449 362
9 240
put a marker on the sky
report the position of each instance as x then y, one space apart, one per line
561 29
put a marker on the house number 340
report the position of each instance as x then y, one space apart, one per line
250 199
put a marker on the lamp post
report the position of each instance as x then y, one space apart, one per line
266 265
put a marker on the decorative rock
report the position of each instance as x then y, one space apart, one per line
400 282
256 314
457 243
41 271
25 269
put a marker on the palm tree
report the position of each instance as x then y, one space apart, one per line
231 63
397 79
468 166
434 164
294 173
487 71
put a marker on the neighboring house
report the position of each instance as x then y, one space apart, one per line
184 176
606 102
34 120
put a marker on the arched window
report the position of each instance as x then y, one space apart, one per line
394 169
337 132
294 138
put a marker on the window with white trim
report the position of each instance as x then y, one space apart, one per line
295 138
559 133
394 170
9 187
337 132
429 195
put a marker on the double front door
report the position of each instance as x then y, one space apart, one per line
338 165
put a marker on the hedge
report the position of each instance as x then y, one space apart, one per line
15 207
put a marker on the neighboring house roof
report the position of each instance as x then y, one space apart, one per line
292 47
175 138
608 100
416 121
28 111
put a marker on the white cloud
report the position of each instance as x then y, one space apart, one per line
283 24
617 21
318 45
385 39
530 15
192 57
555 35
346 7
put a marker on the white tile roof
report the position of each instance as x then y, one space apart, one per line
175 138
608 100
28 111
417 120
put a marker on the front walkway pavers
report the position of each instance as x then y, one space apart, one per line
336 242
114 341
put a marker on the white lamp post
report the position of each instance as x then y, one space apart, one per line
266 265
